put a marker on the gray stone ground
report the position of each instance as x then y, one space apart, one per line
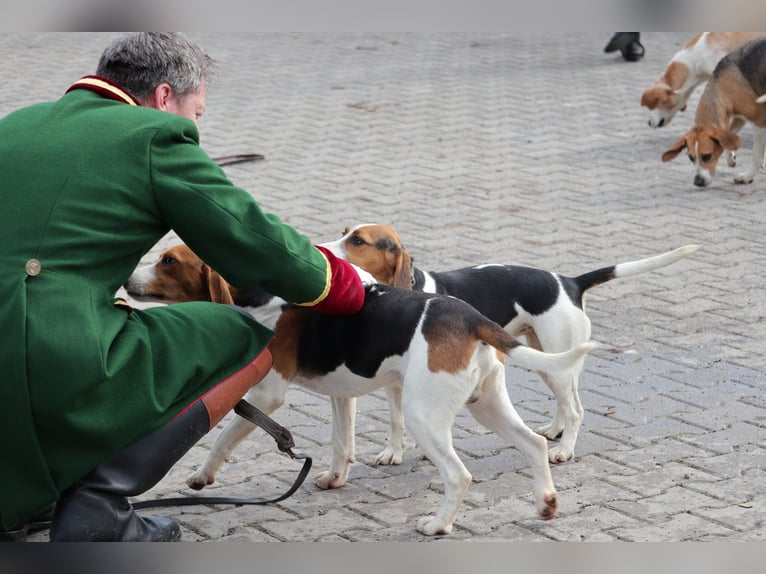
494 148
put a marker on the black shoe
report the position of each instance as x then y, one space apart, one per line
633 52
89 514
620 41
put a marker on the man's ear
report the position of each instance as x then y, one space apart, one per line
159 98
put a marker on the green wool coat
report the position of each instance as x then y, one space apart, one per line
88 184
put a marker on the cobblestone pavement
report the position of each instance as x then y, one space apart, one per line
494 148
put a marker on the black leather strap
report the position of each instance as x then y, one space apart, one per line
285 443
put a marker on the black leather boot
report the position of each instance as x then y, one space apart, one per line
96 508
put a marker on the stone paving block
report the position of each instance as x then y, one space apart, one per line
659 480
682 527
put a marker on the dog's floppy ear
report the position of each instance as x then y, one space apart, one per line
728 139
675 149
654 96
217 287
402 275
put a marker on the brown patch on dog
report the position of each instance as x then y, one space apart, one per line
378 250
448 350
693 41
284 345
676 75
658 96
663 93
451 346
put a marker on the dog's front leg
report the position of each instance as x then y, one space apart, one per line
343 446
736 125
394 452
267 396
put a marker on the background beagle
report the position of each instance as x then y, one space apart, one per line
432 354
732 93
547 308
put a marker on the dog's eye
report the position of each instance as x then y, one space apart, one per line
168 260
356 240
706 157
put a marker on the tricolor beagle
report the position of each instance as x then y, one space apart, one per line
689 67
434 354
734 92
547 308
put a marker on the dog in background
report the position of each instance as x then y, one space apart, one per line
548 309
735 91
435 354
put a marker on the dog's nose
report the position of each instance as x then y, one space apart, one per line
661 123
699 181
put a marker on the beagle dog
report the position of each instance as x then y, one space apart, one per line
733 93
547 308
434 354
689 67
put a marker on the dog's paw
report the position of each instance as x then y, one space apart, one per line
731 158
559 453
548 505
390 455
430 526
328 479
200 479
550 431
744 178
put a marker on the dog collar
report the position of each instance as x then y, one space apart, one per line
106 88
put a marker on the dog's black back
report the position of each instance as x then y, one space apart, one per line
751 61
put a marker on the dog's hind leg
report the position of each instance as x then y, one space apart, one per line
343 443
494 410
558 332
394 452
569 414
430 415
759 148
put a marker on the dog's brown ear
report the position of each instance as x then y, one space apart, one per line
728 139
217 287
675 149
654 96
402 276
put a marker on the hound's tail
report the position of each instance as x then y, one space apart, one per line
629 268
529 358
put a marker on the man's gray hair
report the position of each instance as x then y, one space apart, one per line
142 61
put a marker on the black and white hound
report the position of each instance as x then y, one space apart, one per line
546 308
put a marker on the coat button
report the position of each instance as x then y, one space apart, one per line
33 267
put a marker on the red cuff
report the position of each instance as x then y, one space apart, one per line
346 295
